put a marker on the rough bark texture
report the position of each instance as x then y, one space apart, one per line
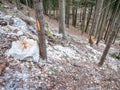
26 1
102 28
113 29
98 12
40 25
67 12
89 17
84 18
18 4
112 17
62 18
74 14
97 17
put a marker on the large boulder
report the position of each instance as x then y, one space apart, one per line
23 49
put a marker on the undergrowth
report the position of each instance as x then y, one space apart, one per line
116 56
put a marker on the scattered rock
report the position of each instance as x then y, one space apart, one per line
24 48
3 23
43 86
2 67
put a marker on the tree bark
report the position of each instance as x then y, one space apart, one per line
113 26
27 7
97 17
18 4
117 30
62 18
89 17
84 18
74 14
40 25
67 12
102 28
98 13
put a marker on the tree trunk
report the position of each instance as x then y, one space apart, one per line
89 17
117 30
45 6
113 26
18 4
103 23
73 14
108 30
98 12
62 18
67 12
97 17
40 25
84 18
10 1
27 8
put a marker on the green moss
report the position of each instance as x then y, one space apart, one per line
118 38
1 8
53 71
115 55
48 31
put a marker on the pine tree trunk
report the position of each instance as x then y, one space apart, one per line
40 25
73 14
108 30
18 4
67 12
81 19
45 6
62 18
113 26
98 12
27 7
84 18
117 30
99 24
89 17
10 1
102 29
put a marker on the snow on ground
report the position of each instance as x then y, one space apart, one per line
71 63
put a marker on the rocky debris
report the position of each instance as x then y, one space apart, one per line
19 23
2 67
71 64
3 23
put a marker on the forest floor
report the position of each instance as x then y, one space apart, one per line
72 64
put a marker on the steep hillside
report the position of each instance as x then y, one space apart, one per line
71 63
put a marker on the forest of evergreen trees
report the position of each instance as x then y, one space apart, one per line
59 44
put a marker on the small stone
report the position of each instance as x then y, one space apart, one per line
62 88
3 23
43 86
91 88
19 33
2 67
